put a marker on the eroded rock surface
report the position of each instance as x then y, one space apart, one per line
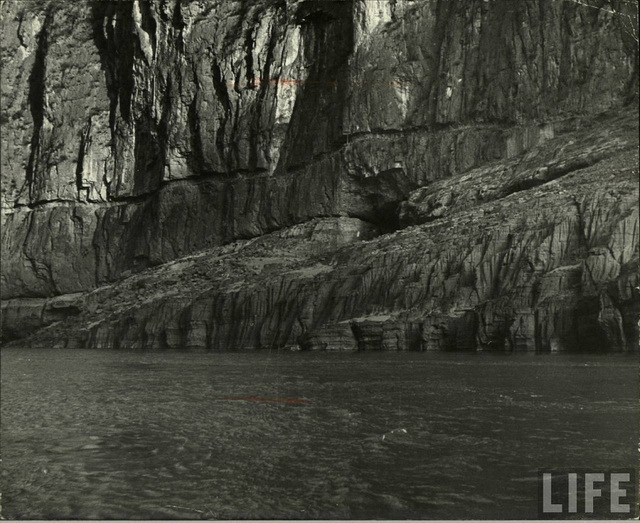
141 132
553 267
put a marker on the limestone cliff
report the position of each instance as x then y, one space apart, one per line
258 144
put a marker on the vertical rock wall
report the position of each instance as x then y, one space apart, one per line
136 132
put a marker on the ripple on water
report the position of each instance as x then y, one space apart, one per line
130 435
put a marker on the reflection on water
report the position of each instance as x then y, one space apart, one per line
106 434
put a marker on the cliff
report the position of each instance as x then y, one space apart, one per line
329 174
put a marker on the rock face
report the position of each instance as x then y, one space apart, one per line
152 141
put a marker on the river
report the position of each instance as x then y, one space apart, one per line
165 435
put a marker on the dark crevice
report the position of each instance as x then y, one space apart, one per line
115 48
313 12
85 141
179 25
442 11
220 88
36 99
165 119
249 46
223 96
582 238
40 202
19 31
196 159
149 158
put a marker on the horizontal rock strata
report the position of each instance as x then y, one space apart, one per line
550 268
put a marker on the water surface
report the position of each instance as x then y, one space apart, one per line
135 435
